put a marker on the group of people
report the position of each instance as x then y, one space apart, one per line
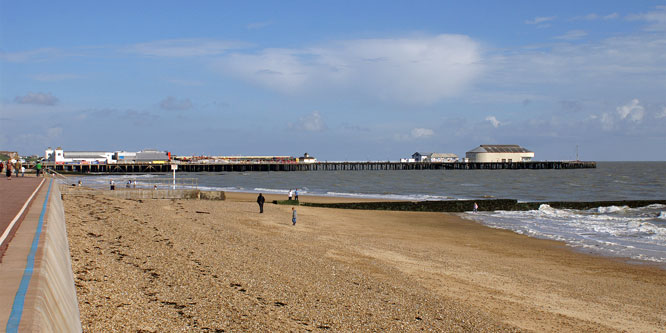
293 194
261 200
16 167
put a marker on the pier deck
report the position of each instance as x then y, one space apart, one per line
319 166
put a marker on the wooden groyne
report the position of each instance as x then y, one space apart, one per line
319 166
458 206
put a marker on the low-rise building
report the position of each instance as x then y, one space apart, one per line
434 157
60 156
306 158
443 157
499 153
421 157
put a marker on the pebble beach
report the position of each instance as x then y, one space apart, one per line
220 266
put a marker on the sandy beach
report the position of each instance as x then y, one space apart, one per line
219 266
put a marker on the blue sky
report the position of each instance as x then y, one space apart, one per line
342 80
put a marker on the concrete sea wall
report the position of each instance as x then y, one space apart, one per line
55 305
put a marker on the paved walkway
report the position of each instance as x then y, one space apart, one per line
14 194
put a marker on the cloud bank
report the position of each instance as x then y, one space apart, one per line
411 70
310 123
37 99
174 104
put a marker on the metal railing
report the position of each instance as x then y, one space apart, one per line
161 183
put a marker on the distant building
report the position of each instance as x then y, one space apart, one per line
60 156
306 158
124 156
433 157
150 155
11 154
443 157
421 157
499 153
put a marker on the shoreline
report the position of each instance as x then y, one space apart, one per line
226 266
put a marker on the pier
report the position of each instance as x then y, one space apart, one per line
318 166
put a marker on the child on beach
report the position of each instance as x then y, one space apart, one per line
293 216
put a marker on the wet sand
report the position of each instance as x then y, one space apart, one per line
167 265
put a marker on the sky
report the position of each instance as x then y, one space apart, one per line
341 80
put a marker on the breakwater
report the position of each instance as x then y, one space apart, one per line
458 206
319 166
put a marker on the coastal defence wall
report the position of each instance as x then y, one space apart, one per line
458 206
55 306
135 194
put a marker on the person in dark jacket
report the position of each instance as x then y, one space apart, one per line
260 201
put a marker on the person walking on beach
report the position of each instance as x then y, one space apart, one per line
296 194
8 170
260 201
291 193
476 207
112 185
293 215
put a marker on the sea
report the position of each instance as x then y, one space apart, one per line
618 231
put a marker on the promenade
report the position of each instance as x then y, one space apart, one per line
14 203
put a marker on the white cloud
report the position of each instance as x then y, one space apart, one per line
633 111
540 20
493 121
607 121
631 114
54 132
184 47
32 55
310 123
620 64
656 19
172 103
611 16
422 132
415 134
37 99
595 16
661 114
572 35
412 70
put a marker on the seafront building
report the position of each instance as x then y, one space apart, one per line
60 156
432 157
499 153
306 158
